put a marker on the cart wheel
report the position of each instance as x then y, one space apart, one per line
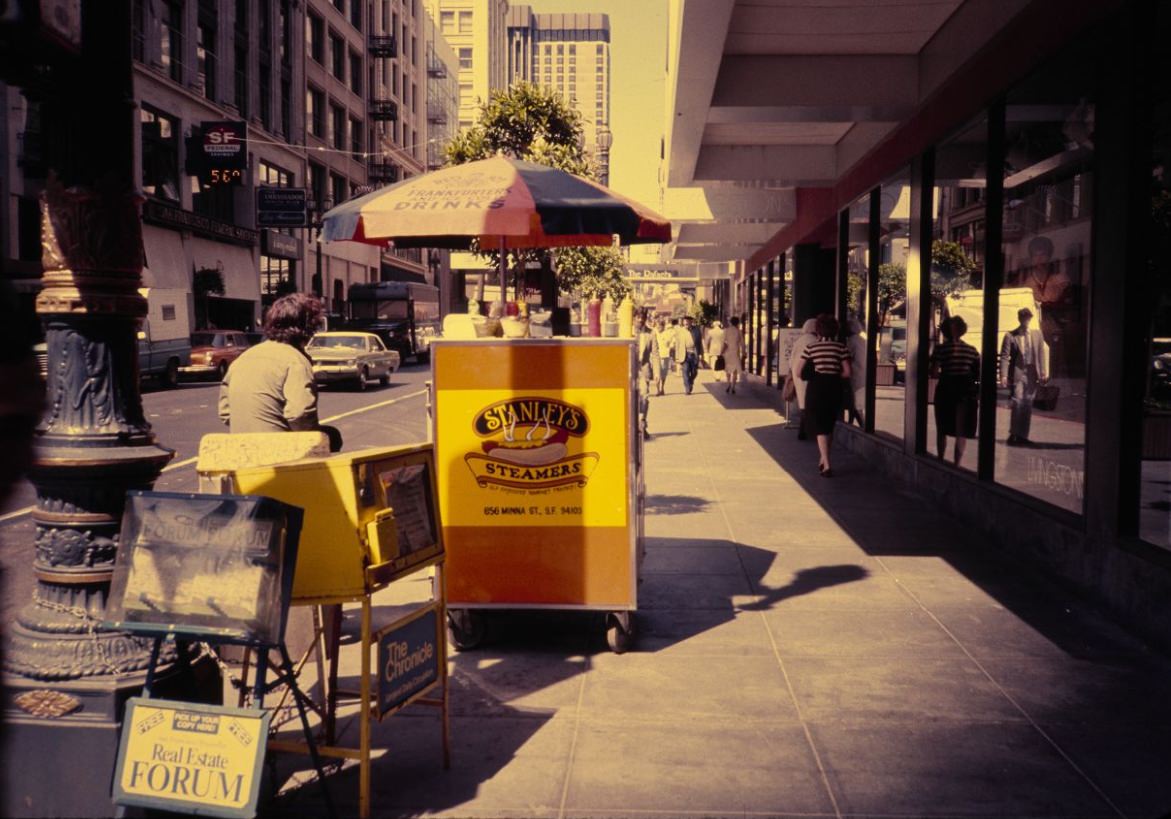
620 631
465 628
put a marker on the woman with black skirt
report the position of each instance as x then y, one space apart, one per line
829 361
957 365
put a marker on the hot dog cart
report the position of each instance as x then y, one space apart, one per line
539 467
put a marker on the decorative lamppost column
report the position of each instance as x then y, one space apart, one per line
66 679
605 140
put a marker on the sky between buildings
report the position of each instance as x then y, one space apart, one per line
638 48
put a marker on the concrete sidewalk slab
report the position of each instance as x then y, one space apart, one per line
808 647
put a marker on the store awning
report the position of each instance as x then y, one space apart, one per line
166 261
239 266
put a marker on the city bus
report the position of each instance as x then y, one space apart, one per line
405 315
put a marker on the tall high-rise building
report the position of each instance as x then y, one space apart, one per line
569 53
475 29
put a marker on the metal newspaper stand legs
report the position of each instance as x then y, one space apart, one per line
371 517
216 568
539 462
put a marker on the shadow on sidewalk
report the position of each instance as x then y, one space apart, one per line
925 549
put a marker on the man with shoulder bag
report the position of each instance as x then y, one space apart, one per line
1024 366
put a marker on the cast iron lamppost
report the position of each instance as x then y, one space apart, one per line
66 679
316 211
605 139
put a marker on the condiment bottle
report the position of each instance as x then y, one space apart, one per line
626 318
594 318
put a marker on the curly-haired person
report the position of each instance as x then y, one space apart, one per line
270 388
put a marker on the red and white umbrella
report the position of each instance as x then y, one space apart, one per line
500 203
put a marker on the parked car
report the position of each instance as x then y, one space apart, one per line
212 351
351 357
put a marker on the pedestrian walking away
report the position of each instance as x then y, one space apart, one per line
957 366
856 386
733 352
829 360
270 387
697 339
714 344
648 355
685 352
1024 365
807 337
666 336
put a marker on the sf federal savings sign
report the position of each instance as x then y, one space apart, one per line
190 758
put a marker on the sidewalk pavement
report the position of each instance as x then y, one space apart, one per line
808 647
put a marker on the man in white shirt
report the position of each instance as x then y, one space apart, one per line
1024 364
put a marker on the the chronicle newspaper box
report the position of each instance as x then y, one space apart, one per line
538 460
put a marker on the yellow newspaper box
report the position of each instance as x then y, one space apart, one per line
370 516
538 460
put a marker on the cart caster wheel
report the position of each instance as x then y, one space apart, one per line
465 628
620 631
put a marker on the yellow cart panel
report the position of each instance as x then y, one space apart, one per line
537 458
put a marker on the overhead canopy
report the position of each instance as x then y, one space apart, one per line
770 98
241 273
166 260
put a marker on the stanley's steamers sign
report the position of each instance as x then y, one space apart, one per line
535 458
528 443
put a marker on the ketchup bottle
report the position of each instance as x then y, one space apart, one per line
594 318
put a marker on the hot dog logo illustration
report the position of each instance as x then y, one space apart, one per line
530 444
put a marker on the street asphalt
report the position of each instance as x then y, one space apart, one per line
381 416
807 647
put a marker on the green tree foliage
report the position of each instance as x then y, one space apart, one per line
592 271
951 269
892 289
528 122
706 313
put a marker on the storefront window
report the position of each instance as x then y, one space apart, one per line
891 282
1044 301
957 275
1154 518
857 280
160 155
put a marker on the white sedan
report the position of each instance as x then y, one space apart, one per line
351 357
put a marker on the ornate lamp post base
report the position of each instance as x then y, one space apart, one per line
67 679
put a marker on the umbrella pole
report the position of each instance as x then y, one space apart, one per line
503 270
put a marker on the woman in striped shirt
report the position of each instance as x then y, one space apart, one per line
823 395
957 365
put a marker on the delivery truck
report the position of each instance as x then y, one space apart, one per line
164 338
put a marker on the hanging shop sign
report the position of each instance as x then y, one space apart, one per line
408 659
280 245
190 758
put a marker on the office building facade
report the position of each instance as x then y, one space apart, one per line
475 30
568 54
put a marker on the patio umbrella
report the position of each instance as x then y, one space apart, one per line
501 203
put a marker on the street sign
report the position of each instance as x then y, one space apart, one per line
191 758
281 207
